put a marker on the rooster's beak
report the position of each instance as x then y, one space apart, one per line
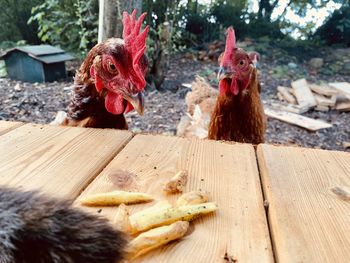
224 74
137 101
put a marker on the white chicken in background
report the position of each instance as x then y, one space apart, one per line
200 105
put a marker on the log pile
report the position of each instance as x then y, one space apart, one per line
302 97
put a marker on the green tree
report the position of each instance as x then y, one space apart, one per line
336 29
231 13
71 24
13 21
265 20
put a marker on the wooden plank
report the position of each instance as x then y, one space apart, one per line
308 216
324 101
323 90
227 171
286 94
303 93
57 160
298 120
290 108
343 106
346 145
6 126
343 87
280 97
342 98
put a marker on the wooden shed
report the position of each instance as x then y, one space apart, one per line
42 63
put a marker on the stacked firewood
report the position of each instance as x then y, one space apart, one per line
302 96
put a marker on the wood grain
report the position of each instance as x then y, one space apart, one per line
57 160
228 172
308 221
6 126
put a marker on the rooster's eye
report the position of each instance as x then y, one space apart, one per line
111 67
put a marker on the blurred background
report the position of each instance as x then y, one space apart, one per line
296 39
72 24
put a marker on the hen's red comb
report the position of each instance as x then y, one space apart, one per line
135 43
230 46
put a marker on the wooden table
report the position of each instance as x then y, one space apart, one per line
307 190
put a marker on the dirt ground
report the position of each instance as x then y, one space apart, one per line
38 103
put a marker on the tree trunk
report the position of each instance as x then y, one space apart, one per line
110 16
107 26
161 55
265 9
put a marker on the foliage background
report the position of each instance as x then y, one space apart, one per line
72 24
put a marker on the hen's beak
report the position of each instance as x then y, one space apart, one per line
137 101
224 74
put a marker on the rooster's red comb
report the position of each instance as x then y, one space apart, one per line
135 43
230 45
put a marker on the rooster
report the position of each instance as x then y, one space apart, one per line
110 81
237 115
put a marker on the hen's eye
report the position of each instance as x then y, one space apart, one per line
111 67
241 62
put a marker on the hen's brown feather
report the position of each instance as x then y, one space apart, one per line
87 106
239 117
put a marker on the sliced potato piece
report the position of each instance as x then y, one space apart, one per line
165 216
155 238
177 183
121 219
115 198
155 209
192 198
159 206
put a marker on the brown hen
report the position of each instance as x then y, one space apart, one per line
237 114
110 81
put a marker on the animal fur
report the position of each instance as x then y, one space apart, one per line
37 229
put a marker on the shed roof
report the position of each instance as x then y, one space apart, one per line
44 53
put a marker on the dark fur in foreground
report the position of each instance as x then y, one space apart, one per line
36 228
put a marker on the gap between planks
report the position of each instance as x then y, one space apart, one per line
308 240
112 156
266 205
53 141
181 157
